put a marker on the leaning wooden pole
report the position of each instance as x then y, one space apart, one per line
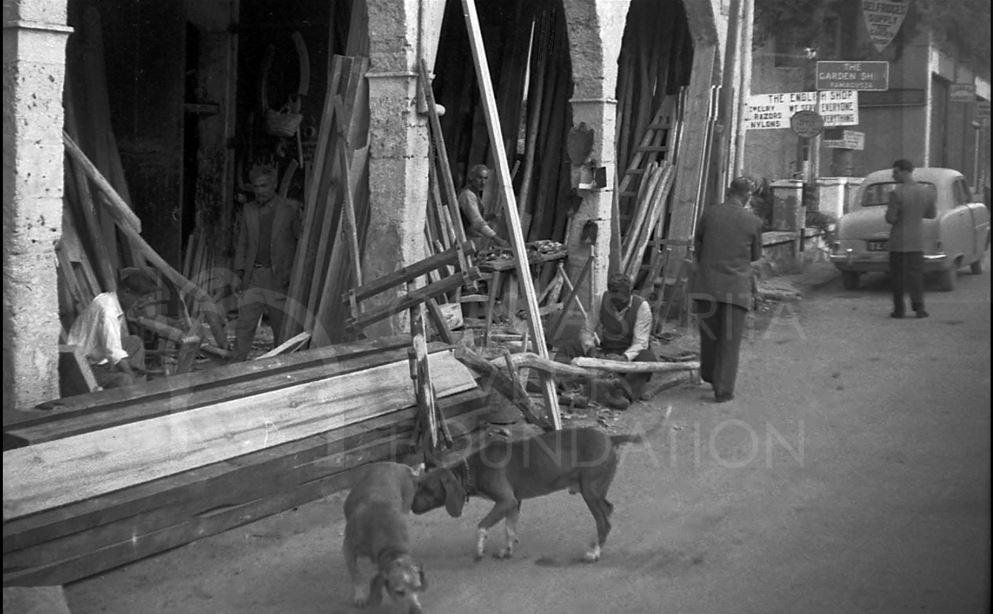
509 201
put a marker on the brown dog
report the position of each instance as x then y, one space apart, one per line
581 459
375 528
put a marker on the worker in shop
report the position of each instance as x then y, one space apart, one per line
618 328
263 261
116 357
471 206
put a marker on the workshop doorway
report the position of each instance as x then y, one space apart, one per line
527 48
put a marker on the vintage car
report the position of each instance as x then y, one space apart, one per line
958 236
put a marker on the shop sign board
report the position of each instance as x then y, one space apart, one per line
862 76
773 111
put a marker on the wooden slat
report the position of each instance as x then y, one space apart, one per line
71 469
449 284
405 274
239 373
509 200
185 400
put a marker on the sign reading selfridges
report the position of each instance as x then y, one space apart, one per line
773 111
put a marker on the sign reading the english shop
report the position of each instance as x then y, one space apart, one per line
883 19
773 111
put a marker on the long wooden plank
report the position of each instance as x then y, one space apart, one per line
71 469
509 200
445 286
217 484
239 373
618 366
184 400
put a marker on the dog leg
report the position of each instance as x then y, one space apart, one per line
359 596
510 527
500 510
480 543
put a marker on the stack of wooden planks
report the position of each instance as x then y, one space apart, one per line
335 213
111 477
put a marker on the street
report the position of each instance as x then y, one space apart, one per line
850 474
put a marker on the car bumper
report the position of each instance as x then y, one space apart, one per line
879 262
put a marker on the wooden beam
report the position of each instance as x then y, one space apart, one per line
118 209
492 377
509 200
618 366
449 284
55 473
404 274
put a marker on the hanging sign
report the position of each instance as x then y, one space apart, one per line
773 111
883 19
844 139
962 92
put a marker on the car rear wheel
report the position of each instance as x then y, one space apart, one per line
947 279
850 280
976 268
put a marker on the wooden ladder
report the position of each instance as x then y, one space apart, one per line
655 145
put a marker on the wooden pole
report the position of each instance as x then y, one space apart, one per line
509 201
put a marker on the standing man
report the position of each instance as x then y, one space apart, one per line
471 207
910 202
728 240
267 243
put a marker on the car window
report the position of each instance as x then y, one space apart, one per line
878 194
961 192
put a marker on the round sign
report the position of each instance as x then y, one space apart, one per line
806 124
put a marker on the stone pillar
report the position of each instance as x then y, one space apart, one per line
595 28
34 42
400 33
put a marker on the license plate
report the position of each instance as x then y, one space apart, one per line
877 246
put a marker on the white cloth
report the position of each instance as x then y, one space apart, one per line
97 331
639 336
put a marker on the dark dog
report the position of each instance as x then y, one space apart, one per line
376 529
581 459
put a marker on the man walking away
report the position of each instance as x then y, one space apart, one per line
910 202
728 240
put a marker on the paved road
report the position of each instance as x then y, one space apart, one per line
851 474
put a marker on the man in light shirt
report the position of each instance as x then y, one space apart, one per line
101 333
618 328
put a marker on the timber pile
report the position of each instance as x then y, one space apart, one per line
652 73
111 477
335 212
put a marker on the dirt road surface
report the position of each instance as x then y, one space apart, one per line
850 474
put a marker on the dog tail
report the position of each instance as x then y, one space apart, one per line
618 440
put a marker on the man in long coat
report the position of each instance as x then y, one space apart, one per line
728 240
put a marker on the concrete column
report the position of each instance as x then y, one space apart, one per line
34 40
595 28
400 33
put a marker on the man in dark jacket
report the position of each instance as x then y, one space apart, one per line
910 202
728 240
267 243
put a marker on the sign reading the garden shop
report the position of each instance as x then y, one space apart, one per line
883 19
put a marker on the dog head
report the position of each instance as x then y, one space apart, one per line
439 487
403 580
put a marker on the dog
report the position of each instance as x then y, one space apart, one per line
376 528
582 460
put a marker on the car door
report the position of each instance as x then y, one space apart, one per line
980 221
956 224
